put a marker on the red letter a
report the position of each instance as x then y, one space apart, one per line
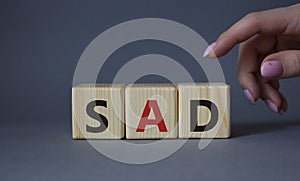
159 121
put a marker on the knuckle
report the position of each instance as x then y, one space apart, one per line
253 18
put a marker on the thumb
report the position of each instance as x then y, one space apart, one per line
284 64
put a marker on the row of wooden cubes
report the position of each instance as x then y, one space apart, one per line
151 111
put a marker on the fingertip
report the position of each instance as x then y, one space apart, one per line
271 68
272 97
271 105
218 48
250 85
249 96
284 105
209 51
281 112
283 64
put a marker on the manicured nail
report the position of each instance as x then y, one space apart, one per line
281 112
249 96
271 68
209 49
271 105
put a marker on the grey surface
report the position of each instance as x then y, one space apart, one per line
41 42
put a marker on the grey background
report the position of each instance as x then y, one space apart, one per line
41 42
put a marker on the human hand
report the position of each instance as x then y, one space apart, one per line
269 50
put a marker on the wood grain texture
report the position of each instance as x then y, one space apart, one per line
136 97
217 93
113 95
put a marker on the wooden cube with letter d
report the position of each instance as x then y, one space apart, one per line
151 111
98 111
204 110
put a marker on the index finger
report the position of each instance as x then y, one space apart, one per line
270 22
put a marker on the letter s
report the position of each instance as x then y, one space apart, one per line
99 117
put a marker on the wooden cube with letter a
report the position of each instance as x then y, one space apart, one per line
151 111
204 110
98 111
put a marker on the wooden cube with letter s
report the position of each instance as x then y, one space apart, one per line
204 110
151 111
98 111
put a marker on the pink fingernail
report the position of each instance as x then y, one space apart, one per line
271 105
281 112
249 96
271 68
209 49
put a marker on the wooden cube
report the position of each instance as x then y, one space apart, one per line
204 110
98 111
151 111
